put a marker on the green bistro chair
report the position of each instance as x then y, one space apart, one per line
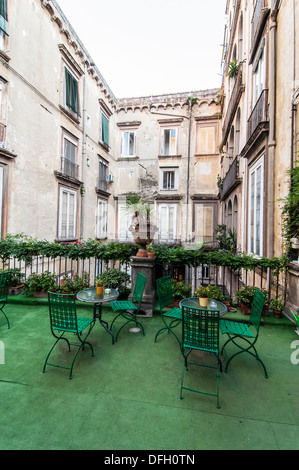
241 332
64 320
5 278
200 332
129 309
173 316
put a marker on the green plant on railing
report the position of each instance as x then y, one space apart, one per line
45 281
233 69
290 212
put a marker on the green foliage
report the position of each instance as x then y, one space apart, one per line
226 241
45 281
233 68
290 211
215 292
16 277
75 283
115 279
180 289
202 291
277 305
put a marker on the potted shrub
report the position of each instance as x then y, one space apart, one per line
115 279
245 298
40 284
233 69
73 284
277 307
203 293
215 292
16 281
150 251
180 291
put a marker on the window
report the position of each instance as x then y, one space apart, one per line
128 144
206 139
71 100
105 130
205 222
69 157
101 225
67 214
103 175
255 223
259 73
169 141
168 179
124 222
3 23
167 222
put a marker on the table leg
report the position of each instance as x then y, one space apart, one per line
98 314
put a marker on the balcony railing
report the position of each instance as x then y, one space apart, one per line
102 184
233 105
69 168
259 114
231 179
259 17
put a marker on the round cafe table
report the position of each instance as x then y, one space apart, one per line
212 304
90 295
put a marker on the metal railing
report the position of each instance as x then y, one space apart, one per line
259 113
69 168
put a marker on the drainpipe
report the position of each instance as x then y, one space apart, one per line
188 170
271 141
83 154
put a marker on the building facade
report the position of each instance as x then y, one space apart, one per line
260 122
71 152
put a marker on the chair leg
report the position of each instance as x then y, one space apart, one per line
131 318
242 350
169 328
7 320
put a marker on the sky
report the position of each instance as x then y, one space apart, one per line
152 47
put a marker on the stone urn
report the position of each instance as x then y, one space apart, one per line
143 232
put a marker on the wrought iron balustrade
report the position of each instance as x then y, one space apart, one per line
69 168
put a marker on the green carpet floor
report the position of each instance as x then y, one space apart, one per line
127 396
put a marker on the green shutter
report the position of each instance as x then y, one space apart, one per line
105 130
3 16
71 91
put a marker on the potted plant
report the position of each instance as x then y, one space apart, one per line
245 298
40 284
180 291
277 307
203 293
215 292
73 284
115 279
99 287
150 251
16 281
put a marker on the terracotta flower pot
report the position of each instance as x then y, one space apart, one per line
151 254
245 309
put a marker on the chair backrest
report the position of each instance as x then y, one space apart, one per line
139 288
62 309
5 278
165 291
200 329
257 308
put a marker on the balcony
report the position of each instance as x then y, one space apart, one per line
258 21
231 179
233 105
102 185
69 168
258 122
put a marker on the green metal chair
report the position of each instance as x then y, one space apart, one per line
129 309
200 330
243 331
166 300
5 278
63 319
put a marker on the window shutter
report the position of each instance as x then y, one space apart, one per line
105 129
71 92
